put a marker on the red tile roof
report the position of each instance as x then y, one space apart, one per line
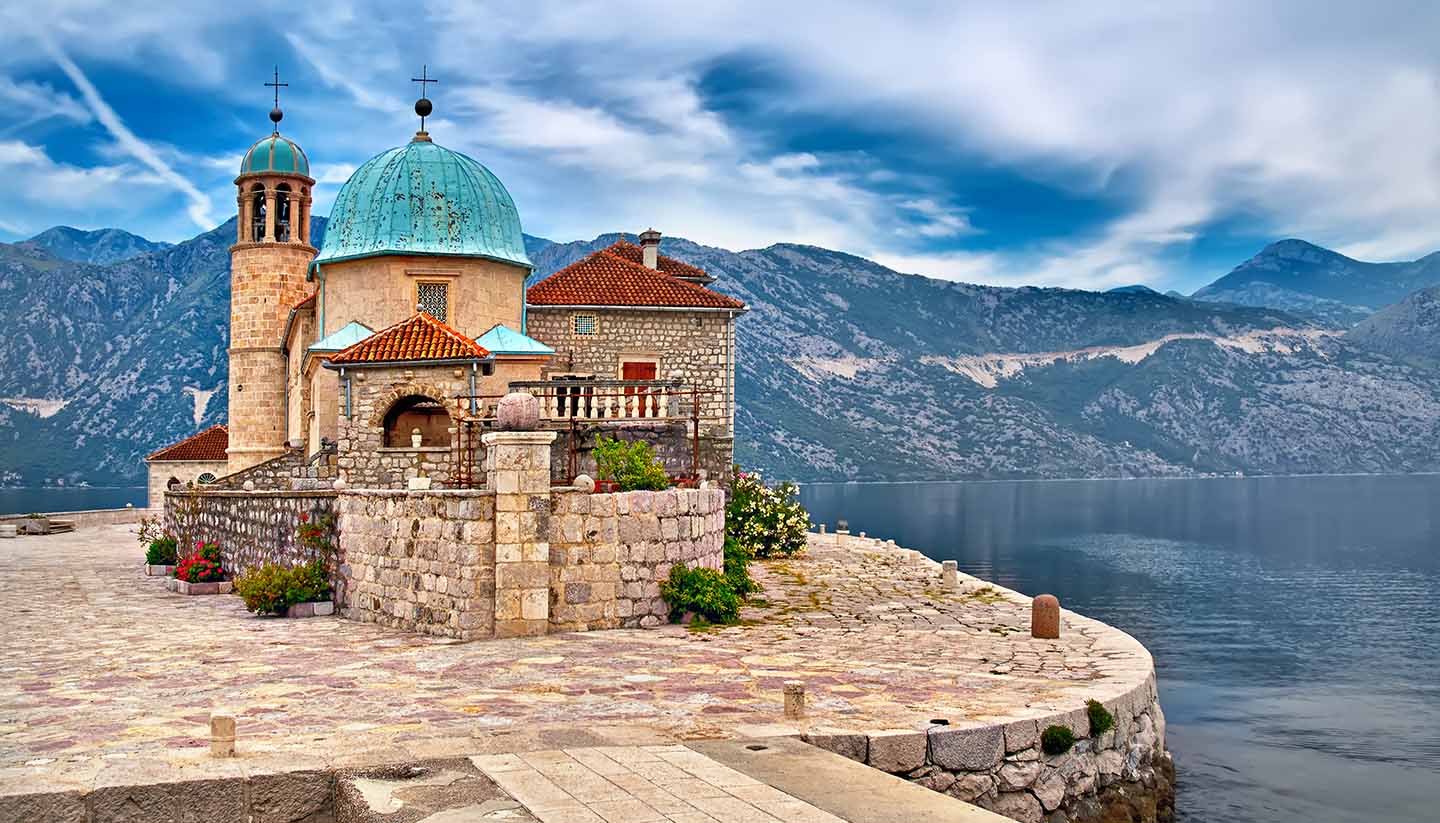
608 278
207 445
669 265
420 337
307 303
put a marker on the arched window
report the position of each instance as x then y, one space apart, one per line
282 213
417 412
206 477
257 213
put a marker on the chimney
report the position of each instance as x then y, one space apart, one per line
650 248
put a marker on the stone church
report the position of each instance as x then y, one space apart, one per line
378 358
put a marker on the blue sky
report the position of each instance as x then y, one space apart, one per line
1084 145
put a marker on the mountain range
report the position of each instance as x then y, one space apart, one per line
847 369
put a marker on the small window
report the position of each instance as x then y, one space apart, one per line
433 299
207 477
585 324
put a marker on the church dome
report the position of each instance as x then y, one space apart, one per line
422 198
275 155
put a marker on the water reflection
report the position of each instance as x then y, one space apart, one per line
1292 620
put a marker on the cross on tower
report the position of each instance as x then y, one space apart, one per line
422 106
275 113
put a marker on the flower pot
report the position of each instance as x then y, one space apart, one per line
158 571
317 609
179 586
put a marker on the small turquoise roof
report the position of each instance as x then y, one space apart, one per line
344 338
502 339
422 198
277 154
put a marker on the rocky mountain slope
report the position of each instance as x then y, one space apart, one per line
1306 279
101 247
846 370
1408 330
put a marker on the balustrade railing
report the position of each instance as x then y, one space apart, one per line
610 399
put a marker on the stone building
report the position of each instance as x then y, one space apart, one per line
198 459
413 317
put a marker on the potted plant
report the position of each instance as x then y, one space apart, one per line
161 556
201 572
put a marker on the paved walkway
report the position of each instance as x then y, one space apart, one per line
110 678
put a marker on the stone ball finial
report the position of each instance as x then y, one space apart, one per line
249 485
518 412
339 484
585 483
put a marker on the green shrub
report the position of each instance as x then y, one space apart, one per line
766 522
272 588
632 464
703 591
1057 739
163 551
737 568
1101 720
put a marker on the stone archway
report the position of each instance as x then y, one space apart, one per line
410 412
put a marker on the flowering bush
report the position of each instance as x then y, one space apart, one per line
316 536
203 566
767 522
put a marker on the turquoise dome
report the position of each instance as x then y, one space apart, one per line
275 154
422 198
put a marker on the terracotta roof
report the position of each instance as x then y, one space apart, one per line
669 265
608 278
420 337
207 445
307 303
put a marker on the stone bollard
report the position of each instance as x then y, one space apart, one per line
794 699
950 574
842 526
822 530
1045 617
222 735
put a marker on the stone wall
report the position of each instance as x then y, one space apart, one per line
421 561
696 347
273 474
609 552
252 528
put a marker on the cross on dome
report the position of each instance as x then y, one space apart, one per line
423 106
276 114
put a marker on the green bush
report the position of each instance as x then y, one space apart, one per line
737 568
632 464
163 551
704 591
1057 739
272 588
1101 720
766 522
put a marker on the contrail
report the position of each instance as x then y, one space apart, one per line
199 209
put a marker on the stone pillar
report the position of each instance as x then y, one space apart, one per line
303 233
269 212
517 468
1045 617
950 574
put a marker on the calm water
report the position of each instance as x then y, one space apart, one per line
24 501
1295 622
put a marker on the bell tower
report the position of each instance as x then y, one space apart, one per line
267 277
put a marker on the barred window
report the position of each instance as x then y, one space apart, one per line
585 325
433 299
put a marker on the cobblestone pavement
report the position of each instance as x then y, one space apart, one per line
651 784
111 678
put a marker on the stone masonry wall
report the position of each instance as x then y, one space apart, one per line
421 561
690 346
252 527
609 552
186 471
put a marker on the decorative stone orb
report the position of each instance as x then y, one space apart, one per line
518 412
339 484
585 483
249 485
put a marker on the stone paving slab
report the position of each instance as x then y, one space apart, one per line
111 678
